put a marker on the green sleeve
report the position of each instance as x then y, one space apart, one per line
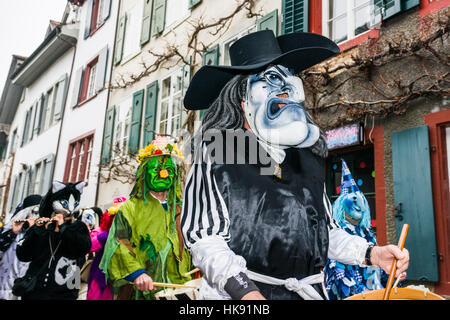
118 260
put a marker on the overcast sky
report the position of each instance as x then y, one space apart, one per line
23 24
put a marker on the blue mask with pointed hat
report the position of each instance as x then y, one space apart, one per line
351 201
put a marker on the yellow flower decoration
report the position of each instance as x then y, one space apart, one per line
159 146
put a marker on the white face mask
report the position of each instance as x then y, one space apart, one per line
274 110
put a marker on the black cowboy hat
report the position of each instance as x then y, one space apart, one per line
254 52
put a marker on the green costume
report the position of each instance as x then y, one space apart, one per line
145 234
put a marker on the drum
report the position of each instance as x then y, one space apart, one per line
189 291
397 294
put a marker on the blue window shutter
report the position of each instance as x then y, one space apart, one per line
413 194
269 22
151 105
294 16
136 118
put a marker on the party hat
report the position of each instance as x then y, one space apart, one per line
348 184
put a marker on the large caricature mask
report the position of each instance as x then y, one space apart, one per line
274 109
160 173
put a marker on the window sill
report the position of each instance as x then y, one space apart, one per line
349 44
85 101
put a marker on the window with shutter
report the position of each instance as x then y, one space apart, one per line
88 81
150 112
269 22
414 199
294 16
136 119
108 135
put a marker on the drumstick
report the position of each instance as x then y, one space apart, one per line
401 244
170 285
191 272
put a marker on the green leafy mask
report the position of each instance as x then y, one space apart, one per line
160 173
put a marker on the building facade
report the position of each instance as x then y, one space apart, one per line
79 145
34 132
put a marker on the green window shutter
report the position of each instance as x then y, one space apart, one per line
294 16
193 3
136 118
108 134
159 16
211 56
413 195
120 37
151 106
269 22
146 21
408 4
60 96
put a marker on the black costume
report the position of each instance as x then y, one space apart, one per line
55 274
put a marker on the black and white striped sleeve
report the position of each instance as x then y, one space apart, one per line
204 211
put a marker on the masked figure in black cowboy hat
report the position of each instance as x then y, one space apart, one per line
256 235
